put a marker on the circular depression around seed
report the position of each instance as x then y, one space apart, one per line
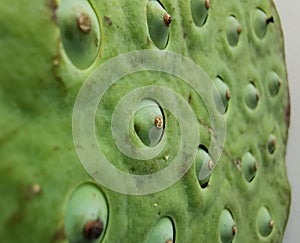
264 222
158 23
80 32
251 96
199 10
249 166
203 166
274 83
86 214
223 93
228 228
162 232
233 30
149 122
261 22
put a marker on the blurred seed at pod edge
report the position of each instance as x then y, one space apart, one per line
80 32
261 22
149 122
158 23
86 214
162 232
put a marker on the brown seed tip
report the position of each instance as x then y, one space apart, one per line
167 19
255 167
207 4
279 82
234 230
211 165
257 96
84 23
158 122
169 241
228 95
271 224
93 229
239 30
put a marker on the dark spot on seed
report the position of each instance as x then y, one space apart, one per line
234 230
190 99
107 20
84 23
270 20
288 111
93 229
167 19
59 235
158 122
207 4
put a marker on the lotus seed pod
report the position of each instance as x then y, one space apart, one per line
251 96
199 9
162 232
61 156
261 22
158 23
86 214
149 122
249 166
223 93
228 229
80 31
264 222
272 141
203 167
233 30
274 83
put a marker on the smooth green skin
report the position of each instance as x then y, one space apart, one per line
38 89
162 231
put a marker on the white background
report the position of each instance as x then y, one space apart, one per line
290 20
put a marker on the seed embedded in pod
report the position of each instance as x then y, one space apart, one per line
149 122
158 23
251 96
249 166
228 228
233 30
86 214
274 83
80 32
163 231
199 10
203 166
265 224
223 93
261 22
272 141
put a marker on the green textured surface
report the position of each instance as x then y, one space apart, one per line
38 86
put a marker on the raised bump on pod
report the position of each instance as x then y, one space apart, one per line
80 32
203 167
224 93
149 122
199 10
158 23
261 22
265 224
272 141
251 96
228 228
249 166
274 83
86 214
162 232
233 30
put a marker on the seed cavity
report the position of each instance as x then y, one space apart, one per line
272 142
222 96
233 30
249 166
149 122
251 96
158 23
260 22
228 228
274 83
199 10
80 32
203 166
264 222
86 214
162 231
